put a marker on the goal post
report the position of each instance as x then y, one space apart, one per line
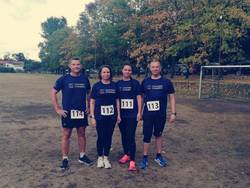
225 81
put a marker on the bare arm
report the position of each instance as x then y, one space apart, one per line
172 107
92 111
56 105
88 102
118 111
139 102
142 103
92 107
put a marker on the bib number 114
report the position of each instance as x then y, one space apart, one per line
153 105
76 114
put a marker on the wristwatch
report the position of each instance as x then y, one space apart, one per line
92 117
174 113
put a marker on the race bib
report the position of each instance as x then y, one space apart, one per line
107 110
153 105
76 114
127 103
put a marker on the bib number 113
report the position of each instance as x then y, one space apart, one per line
153 105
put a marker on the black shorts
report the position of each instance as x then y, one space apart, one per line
151 123
74 123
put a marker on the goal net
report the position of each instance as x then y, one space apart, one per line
226 82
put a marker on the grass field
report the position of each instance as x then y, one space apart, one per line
208 145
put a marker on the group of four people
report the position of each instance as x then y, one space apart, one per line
125 103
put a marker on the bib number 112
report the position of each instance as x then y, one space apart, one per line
107 110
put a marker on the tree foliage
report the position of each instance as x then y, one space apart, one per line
177 31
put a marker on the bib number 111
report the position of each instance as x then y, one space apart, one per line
127 104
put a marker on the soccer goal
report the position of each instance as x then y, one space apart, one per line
226 82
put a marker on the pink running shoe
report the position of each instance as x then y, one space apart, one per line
124 159
132 166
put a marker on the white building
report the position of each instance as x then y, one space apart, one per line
16 65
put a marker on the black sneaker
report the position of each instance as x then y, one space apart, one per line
65 164
85 160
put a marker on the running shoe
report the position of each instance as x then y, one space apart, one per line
132 166
65 164
144 163
106 162
100 163
160 161
124 159
85 160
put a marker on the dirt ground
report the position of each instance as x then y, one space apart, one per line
208 145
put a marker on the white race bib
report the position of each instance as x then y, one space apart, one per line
127 103
153 105
107 110
76 114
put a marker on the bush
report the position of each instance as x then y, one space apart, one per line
7 70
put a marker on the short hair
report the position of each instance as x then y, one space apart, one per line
74 58
100 71
154 59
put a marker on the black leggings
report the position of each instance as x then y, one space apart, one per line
105 129
128 128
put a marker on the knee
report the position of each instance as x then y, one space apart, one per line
132 144
81 135
81 131
147 138
158 134
131 139
109 138
66 135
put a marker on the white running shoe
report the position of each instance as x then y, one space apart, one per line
100 162
106 162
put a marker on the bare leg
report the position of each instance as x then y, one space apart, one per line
145 148
65 141
158 142
81 139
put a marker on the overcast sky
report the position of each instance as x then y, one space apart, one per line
20 22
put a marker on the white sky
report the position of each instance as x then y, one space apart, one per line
20 22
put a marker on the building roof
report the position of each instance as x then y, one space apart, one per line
13 62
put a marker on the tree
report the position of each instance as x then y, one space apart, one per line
176 31
55 31
7 56
32 66
51 25
19 57
101 28
87 40
53 53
